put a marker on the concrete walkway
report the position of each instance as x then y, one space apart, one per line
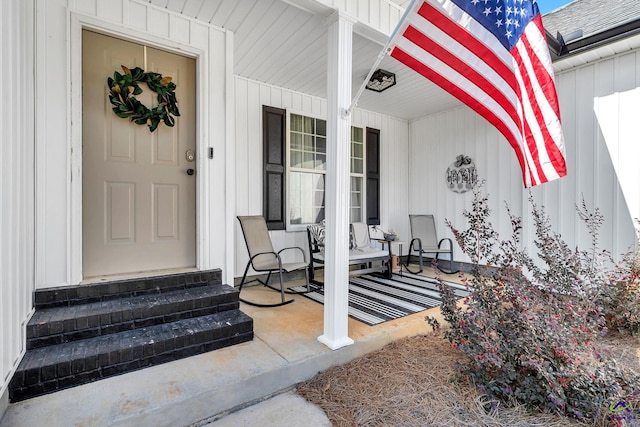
201 389
287 409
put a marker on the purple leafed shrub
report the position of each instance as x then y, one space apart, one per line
529 327
621 300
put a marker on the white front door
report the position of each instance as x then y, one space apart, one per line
138 201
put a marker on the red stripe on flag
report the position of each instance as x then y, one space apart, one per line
462 36
547 84
463 96
542 71
531 104
532 148
529 136
435 49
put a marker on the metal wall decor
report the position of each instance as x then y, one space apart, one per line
462 175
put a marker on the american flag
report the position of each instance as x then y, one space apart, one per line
492 55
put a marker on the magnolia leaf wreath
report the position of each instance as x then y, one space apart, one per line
123 89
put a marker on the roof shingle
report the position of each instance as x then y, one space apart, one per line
590 16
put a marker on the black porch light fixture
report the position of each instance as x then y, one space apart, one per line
381 80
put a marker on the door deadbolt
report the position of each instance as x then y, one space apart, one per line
190 155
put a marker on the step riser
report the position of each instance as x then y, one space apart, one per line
83 377
64 324
96 292
35 378
97 330
80 334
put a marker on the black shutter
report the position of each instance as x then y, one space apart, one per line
273 139
373 176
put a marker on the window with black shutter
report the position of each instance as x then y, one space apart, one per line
373 176
307 168
274 132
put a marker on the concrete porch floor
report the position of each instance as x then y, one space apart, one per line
201 389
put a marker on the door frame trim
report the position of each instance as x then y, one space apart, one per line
79 22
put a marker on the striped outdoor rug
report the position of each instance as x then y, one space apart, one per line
374 299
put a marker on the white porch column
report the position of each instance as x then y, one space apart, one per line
337 186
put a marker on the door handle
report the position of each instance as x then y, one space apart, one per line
190 171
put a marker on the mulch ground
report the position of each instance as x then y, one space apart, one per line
417 382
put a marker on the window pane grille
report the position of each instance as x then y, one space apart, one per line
307 168
356 199
308 146
306 198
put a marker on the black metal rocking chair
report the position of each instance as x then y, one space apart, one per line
425 241
263 258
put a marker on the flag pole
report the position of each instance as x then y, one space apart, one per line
381 55
379 59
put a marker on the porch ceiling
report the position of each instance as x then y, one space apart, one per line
284 43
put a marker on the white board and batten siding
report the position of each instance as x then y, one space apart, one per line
58 236
16 185
436 141
382 15
250 96
599 102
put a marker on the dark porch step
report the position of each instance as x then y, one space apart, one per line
57 325
48 369
105 291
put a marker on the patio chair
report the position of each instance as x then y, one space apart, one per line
425 241
263 258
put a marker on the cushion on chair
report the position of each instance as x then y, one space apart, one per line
360 235
317 232
363 247
352 239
